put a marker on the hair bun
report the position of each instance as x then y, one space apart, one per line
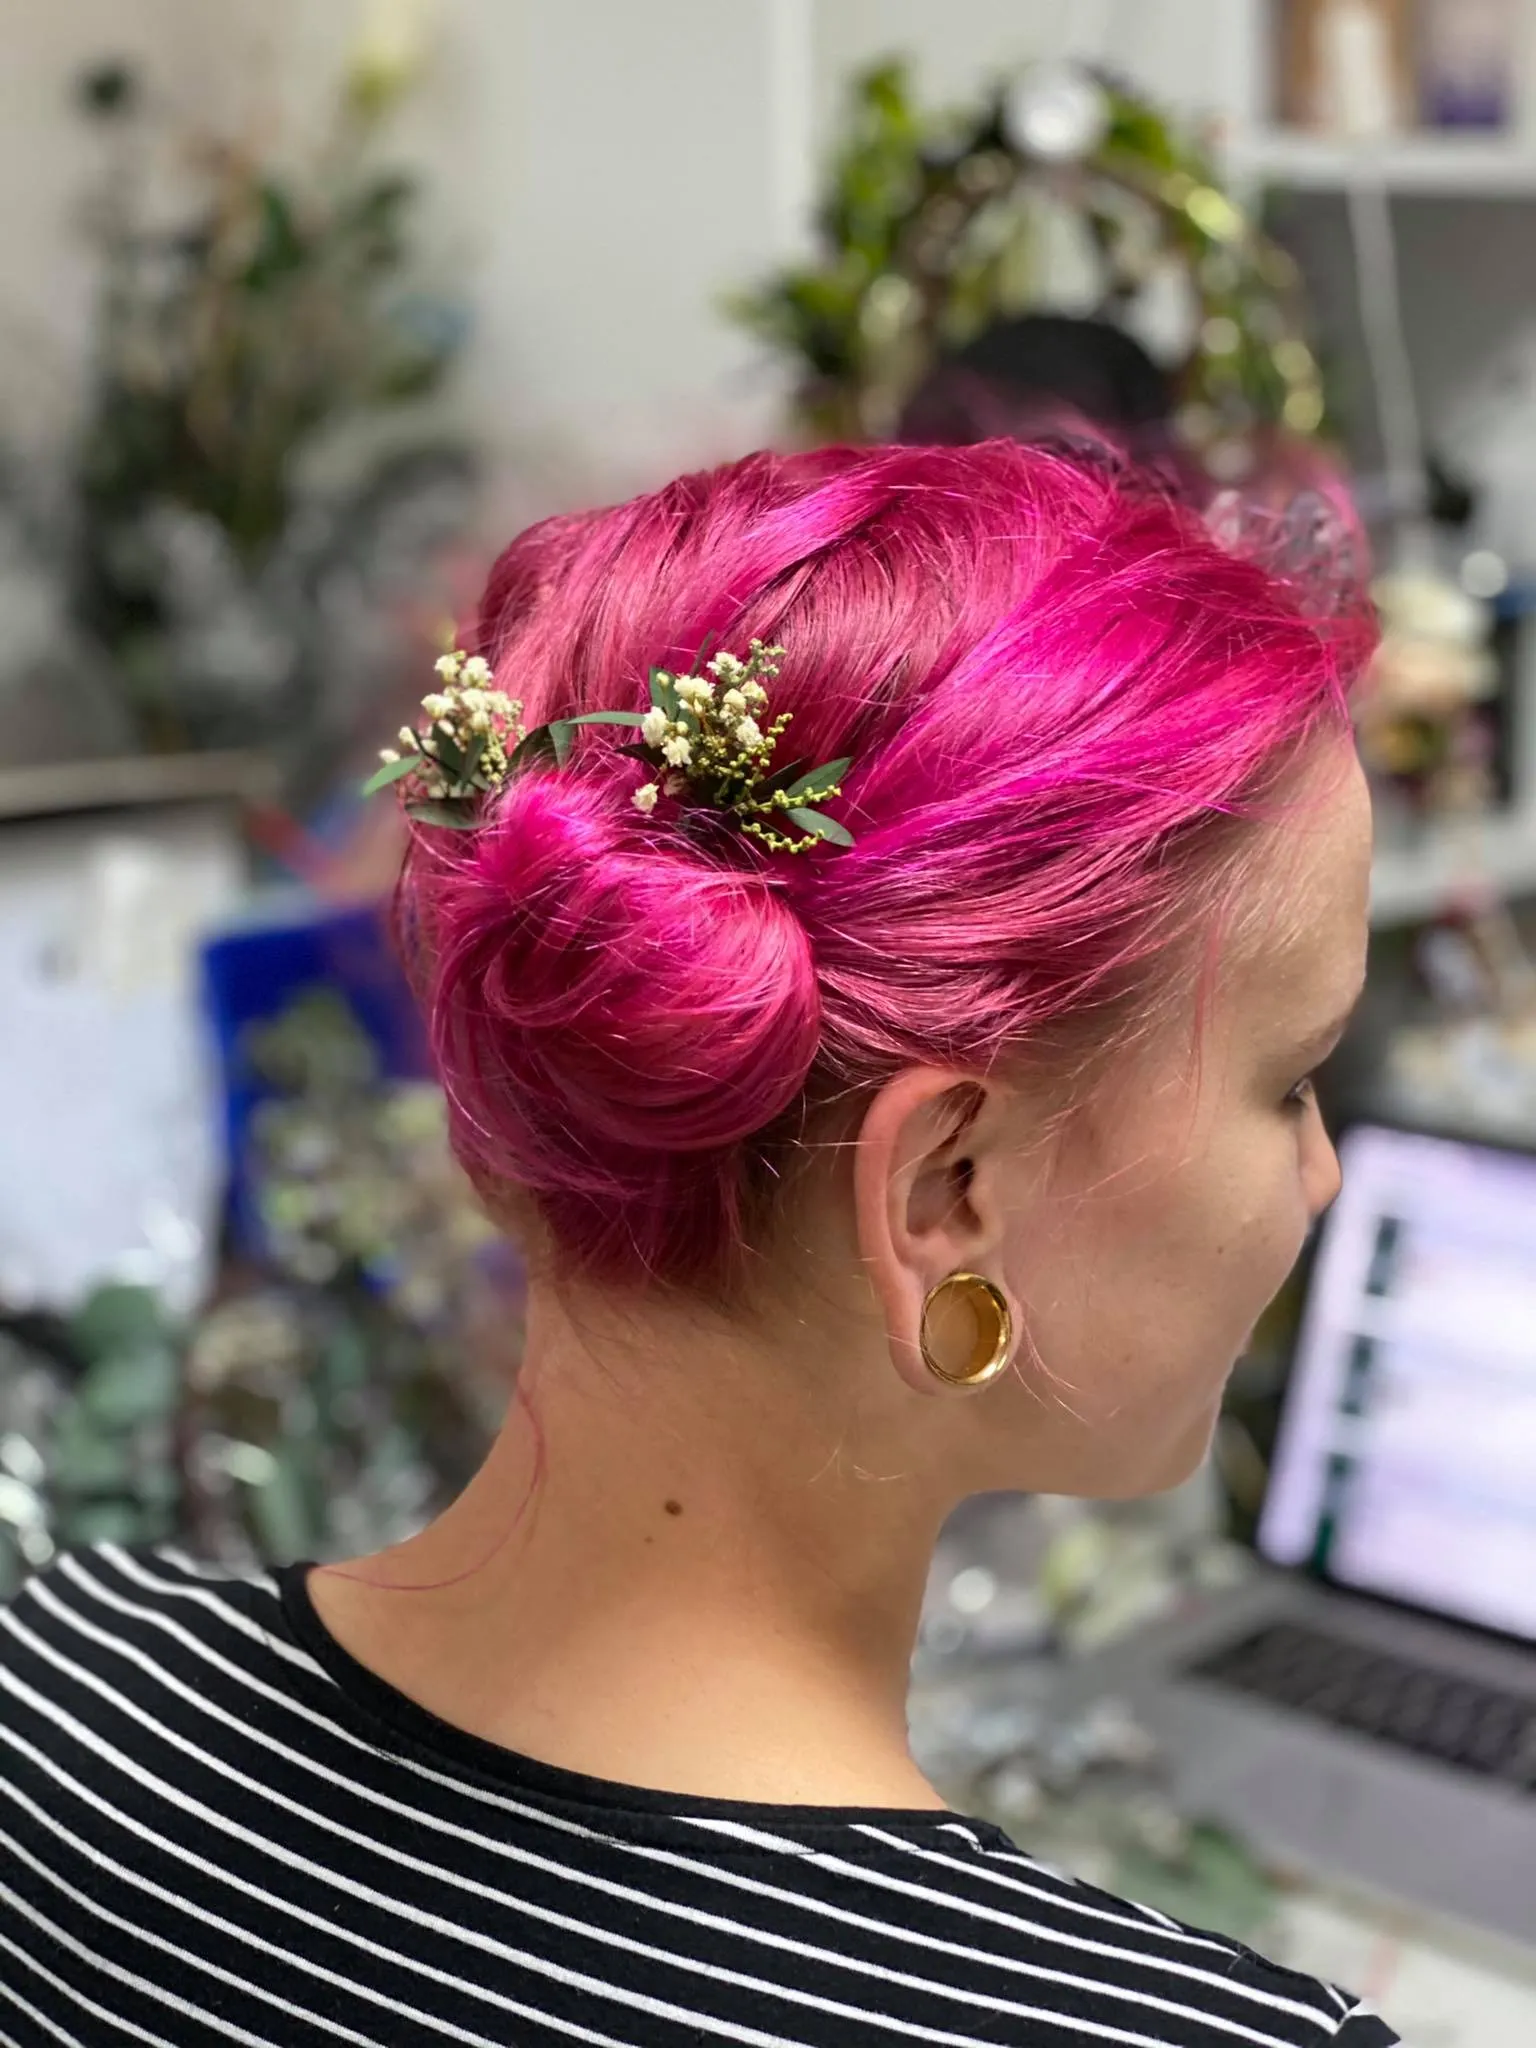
598 988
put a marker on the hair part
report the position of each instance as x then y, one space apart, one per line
1066 704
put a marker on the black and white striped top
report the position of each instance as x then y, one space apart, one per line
217 1827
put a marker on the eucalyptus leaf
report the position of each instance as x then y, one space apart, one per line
108 1521
607 718
280 249
344 1360
392 771
453 817
449 753
84 1461
782 777
549 743
133 1387
116 1318
821 781
281 1511
158 1487
538 745
663 693
472 755
821 827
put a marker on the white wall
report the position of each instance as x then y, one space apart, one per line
622 168
600 170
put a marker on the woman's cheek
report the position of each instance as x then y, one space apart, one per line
1289 1222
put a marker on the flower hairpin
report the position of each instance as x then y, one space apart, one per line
464 751
706 739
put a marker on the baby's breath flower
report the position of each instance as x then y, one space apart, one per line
715 744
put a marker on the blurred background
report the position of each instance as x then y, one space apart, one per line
308 305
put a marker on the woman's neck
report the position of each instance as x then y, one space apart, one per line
672 1571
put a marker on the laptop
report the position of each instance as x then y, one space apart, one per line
1366 1707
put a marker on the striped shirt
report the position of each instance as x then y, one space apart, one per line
216 1826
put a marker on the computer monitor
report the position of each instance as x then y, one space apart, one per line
1406 1460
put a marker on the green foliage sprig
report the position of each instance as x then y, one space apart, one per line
704 739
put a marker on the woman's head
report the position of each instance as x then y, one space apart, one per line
1106 830
1043 374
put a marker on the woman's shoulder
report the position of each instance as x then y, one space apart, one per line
160 1569
84 1622
195 1702
1055 1940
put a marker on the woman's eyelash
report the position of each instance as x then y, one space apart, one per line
1301 1095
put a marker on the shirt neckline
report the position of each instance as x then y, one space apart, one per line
424 1731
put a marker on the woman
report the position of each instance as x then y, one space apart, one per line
855 1179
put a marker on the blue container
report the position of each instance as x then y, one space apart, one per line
253 974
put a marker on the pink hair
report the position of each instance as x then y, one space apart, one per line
1058 689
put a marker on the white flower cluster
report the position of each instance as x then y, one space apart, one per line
708 739
465 747
710 733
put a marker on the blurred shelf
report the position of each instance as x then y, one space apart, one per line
1435 165
51 788
1409 883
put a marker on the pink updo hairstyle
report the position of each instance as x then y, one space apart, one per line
1064 699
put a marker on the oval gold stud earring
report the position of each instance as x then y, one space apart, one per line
967 1317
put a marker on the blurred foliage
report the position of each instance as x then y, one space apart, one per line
333 1397
928 233
230 340
88 1417
241 515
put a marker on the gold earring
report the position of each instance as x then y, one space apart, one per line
991 1323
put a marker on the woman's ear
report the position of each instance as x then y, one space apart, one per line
923 1209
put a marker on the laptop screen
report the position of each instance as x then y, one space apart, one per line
1406 1463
